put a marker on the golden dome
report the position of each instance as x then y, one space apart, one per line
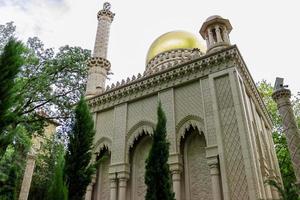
173 40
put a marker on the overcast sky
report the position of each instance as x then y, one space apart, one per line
266 32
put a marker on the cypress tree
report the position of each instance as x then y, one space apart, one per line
157 176
78 169
10 62
58 189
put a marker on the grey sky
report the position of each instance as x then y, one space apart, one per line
266 32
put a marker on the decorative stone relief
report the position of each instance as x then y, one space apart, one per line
234 161
188 101
136 186
210 131
197 174
104 125
103 182
142 110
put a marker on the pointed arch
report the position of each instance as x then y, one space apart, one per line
103 142
184 125
142 127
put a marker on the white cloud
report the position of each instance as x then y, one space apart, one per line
266 32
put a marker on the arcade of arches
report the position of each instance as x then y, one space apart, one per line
195 175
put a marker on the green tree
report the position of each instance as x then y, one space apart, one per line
10 62
157 176
282 152
58 189
12 164
78 170
44 168
46 87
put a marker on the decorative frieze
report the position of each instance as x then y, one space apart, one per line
176 75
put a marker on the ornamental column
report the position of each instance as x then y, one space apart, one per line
282 97
113 188
218 33
123 178
98 65
213 164
175 164
176 178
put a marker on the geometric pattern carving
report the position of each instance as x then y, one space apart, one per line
103 177
234 161
210 132
188 101
136 186
196 168
141 110
104 124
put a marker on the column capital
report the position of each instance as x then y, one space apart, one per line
123 175
175 163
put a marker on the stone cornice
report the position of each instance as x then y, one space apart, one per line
185 72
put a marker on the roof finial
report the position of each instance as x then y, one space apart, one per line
106 6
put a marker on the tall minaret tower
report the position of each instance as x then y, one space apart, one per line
282 97
215 30
98 64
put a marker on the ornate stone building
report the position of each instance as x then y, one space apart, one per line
218 127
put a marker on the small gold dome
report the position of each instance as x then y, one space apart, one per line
173 40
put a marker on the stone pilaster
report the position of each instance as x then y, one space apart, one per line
25 187
213 163
282 97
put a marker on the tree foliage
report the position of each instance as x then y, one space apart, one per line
58 189
47 85
12 164
282 152
78 157
10 62
44 168
157 176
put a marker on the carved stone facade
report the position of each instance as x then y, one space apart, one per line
218 128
